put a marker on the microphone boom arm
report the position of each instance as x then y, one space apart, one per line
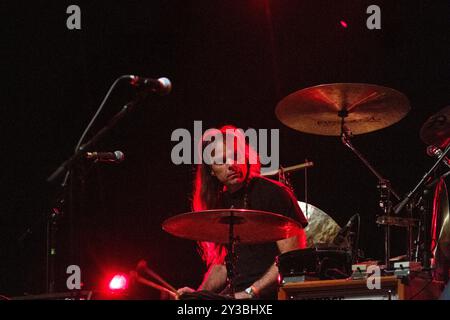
422 181
99 135
346 141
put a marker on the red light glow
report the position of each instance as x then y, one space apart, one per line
118 282
343 23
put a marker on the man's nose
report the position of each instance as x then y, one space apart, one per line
232 165
230 162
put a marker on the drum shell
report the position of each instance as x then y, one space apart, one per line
440 233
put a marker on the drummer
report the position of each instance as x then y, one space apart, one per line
227 183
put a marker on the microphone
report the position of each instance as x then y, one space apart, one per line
110 157
343 233
433 151
161 86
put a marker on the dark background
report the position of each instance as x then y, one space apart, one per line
229 62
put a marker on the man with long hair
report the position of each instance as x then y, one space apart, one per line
230 178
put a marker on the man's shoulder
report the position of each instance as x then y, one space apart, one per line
269 184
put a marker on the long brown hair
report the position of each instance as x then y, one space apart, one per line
208 190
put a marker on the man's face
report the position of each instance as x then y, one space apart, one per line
226 168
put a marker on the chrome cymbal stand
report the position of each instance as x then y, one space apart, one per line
384 186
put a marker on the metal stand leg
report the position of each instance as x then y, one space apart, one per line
387 246
230 259
384 187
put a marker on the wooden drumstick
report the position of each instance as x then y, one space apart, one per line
142 266
153 285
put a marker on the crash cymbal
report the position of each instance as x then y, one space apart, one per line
321 109
250 226
436 130
321 229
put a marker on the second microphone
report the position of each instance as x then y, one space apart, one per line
109 157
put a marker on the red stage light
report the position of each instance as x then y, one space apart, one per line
343 23
118 282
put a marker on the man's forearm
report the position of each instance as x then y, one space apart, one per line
268 280
215 279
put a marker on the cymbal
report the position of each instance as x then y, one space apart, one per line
436 130
250 226
321 228
320 109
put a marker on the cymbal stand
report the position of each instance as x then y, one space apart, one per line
384 185
230 259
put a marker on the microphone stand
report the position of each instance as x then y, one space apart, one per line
81 151
67 168
425 210
384 186
400 206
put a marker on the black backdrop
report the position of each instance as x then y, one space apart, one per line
230 62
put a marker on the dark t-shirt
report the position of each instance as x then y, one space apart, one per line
267 195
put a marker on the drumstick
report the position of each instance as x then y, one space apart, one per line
142 266
289 169
156 286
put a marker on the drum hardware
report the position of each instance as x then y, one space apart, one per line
283 177
424 209
435 132
405 268
314 264
330 109
436 152
346 237
397 221
230 258
359 272
385 189
411 224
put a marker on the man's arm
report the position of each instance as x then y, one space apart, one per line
215 279
270 278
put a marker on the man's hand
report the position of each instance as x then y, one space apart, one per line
185 290
242 295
